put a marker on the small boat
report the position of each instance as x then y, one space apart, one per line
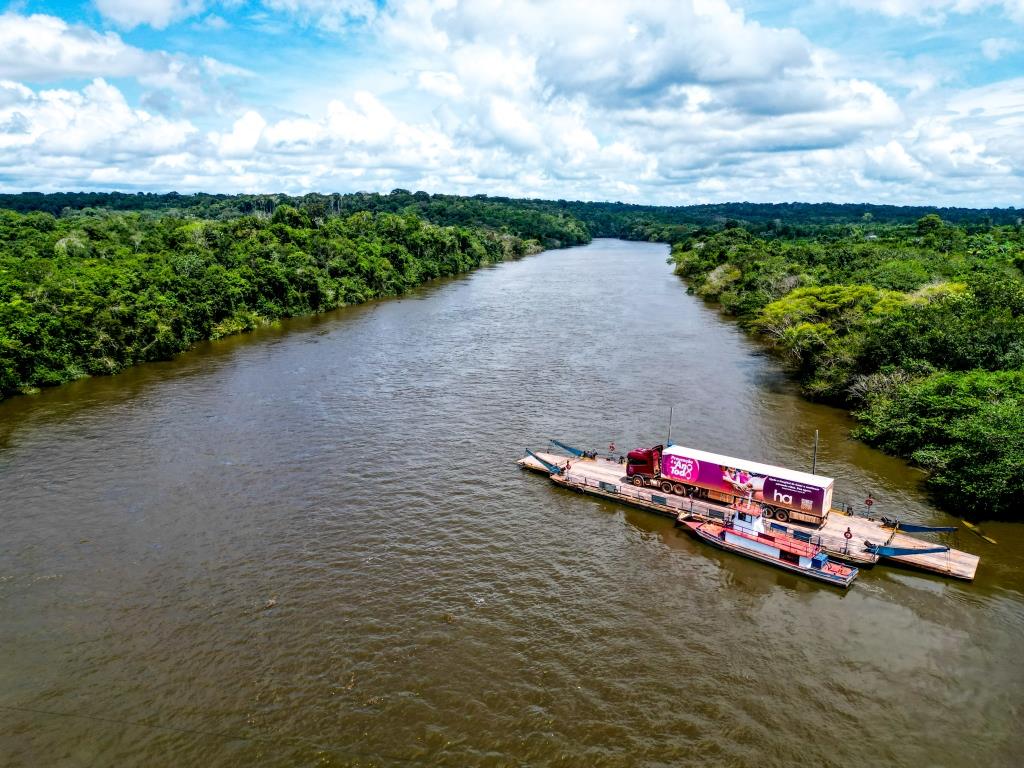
977 532
884 550
744 534
890 522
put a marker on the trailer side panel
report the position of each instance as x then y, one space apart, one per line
739 478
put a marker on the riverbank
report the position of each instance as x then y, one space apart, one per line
916 330
92 293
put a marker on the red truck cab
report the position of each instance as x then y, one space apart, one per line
643 468
643 465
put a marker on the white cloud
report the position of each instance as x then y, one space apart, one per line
370 124
243 138
42 48
444 84
329 15
953 152
213 22
994 116
656 101
628 48
87 128
507 121
156 13
936 11
1000 105
13 93
295 136
892 162
994 48
680 85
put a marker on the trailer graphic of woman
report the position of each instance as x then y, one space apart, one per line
743 481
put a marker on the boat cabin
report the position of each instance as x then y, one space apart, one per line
749 520
746 530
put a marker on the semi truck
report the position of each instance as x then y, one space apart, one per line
784 494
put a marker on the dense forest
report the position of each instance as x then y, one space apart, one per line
639 222
913 318
917 328
93 291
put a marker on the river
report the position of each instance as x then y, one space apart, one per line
311 545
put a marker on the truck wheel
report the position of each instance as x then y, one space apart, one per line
638 481
679 489
666 486
768 512
781 515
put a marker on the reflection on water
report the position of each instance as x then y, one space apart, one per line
311 545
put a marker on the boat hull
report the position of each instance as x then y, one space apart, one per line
844 582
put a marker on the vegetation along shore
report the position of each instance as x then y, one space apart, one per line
912 318
917 328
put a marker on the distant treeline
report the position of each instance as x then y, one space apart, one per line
917 328
544 219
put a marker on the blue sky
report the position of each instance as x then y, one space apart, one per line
655 101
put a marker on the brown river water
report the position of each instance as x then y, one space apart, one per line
310 545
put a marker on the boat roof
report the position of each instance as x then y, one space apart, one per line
819 481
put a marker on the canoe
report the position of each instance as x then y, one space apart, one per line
889 522
887 551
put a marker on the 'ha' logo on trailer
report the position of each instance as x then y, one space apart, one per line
784 498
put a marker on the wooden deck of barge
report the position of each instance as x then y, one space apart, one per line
606 478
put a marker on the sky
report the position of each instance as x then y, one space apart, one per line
652 101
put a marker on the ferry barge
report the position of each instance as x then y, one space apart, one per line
844 536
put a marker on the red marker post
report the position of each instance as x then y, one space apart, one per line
867 506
